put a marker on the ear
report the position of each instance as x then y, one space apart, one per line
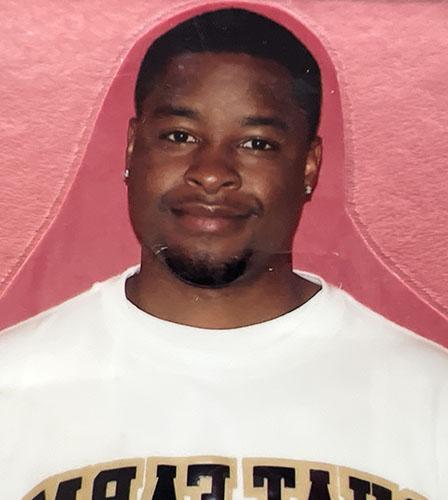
313 161
132 127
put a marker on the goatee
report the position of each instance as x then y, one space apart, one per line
202 271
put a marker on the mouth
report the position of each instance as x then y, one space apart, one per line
210 218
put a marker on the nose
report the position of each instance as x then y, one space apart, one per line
213 169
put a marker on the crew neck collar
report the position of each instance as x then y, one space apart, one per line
143 316
319 316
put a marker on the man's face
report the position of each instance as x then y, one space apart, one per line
218 162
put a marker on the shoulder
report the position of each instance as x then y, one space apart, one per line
60 340
387 342
404 375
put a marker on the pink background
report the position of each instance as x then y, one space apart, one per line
377 223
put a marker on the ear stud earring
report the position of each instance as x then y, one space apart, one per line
308 189
126 174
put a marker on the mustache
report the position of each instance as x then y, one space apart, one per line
247 205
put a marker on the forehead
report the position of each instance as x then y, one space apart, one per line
227 78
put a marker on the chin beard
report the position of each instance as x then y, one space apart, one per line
202 271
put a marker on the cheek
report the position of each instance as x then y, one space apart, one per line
279 187
282 198
156 172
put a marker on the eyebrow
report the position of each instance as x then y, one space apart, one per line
169 110
269 121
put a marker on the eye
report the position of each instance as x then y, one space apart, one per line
180 137
258 145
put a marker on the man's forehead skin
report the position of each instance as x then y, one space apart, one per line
261 86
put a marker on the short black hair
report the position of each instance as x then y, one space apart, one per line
237 31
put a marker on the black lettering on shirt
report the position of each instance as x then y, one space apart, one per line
119 480
274 477
40 496
165 489
381 493
67 490
320 479
215 478
219 473
360 488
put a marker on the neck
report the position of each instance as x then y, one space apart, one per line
257 297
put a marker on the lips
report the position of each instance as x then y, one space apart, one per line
210 218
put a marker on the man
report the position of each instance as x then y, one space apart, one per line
215 371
